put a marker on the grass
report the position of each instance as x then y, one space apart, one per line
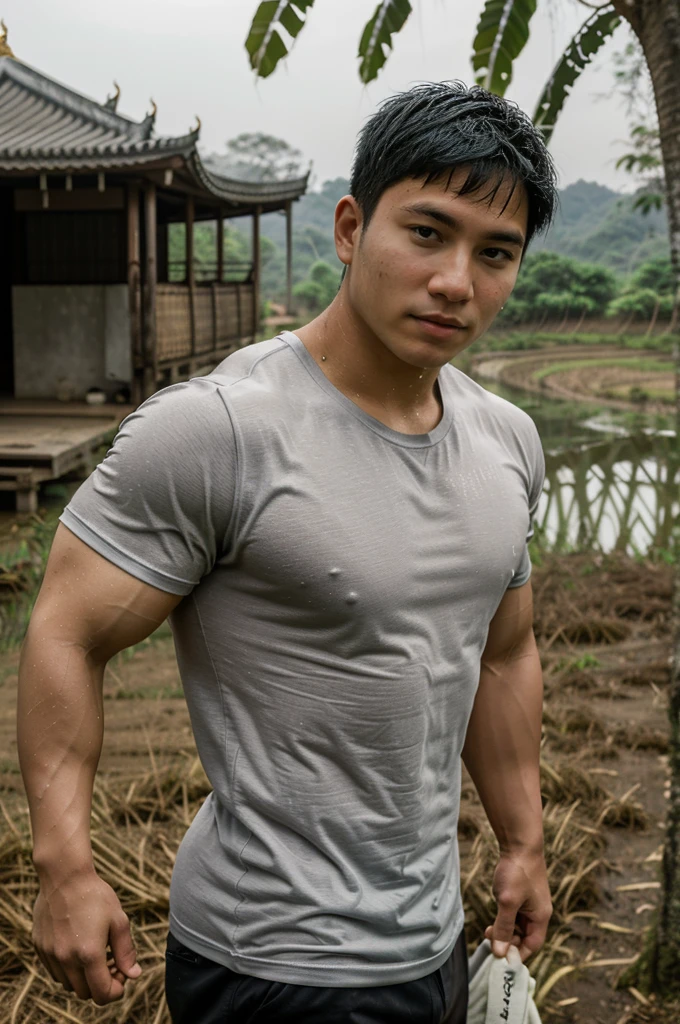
639 364
498 340
586 661
22 564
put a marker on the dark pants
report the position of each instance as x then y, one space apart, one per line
200 991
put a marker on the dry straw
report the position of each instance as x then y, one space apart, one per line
139 821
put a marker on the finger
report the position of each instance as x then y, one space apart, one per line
122 948
533 939
105 988
503 927
77 981
43 960
516 939
56 971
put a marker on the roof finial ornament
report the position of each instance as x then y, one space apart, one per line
154 109
112 101
197 129
5 48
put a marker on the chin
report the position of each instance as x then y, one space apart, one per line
430 356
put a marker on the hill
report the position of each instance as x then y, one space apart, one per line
598 225
593 223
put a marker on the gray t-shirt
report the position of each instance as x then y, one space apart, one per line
340 578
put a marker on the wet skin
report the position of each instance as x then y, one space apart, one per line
427 255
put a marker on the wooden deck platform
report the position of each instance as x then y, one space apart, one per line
42 441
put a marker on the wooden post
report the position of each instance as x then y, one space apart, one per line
239 315
150 278
189 262
220 246
289 257
214 306
256 270
133 280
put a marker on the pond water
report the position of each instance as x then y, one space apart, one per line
611 479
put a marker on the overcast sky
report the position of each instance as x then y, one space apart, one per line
189 55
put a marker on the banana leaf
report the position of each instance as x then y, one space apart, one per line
502 34
264 44
591 36
389 17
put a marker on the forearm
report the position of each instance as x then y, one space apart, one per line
60 729
502 747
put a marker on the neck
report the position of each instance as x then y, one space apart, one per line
355 361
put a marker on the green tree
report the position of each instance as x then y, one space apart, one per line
502 32
319 288
255 156
648 293
553 285
657 274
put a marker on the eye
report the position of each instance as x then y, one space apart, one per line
498 255
430 233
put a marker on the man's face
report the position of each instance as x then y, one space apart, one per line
432 269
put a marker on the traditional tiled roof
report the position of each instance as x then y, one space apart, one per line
45 127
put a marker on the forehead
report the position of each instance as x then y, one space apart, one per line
509 207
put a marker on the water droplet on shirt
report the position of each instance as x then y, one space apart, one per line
302 583
334 572
352 597
435 902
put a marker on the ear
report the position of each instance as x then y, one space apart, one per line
348 221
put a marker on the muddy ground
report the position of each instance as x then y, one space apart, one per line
622 387
603 630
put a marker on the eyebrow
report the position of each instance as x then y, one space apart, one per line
424 210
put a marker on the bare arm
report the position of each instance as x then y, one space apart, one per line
502 755
87 610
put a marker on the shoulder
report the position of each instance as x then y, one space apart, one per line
251 366
196 406
182 414
264 386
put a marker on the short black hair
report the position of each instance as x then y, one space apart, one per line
435 127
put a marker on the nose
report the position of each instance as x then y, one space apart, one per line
453 278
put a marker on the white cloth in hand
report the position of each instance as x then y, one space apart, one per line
501 989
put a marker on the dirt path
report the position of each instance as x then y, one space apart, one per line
604 641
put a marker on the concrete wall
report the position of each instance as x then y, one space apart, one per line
68 338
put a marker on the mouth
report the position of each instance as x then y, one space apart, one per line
439 328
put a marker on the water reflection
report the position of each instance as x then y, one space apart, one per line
620 494
612 480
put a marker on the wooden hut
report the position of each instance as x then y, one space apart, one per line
88 297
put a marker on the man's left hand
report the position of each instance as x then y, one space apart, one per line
520 886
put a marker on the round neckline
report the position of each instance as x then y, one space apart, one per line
377 426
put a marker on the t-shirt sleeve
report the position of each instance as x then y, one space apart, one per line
160 504
536 462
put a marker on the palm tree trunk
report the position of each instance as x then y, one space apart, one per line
657 26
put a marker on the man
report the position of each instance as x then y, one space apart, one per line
336 521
